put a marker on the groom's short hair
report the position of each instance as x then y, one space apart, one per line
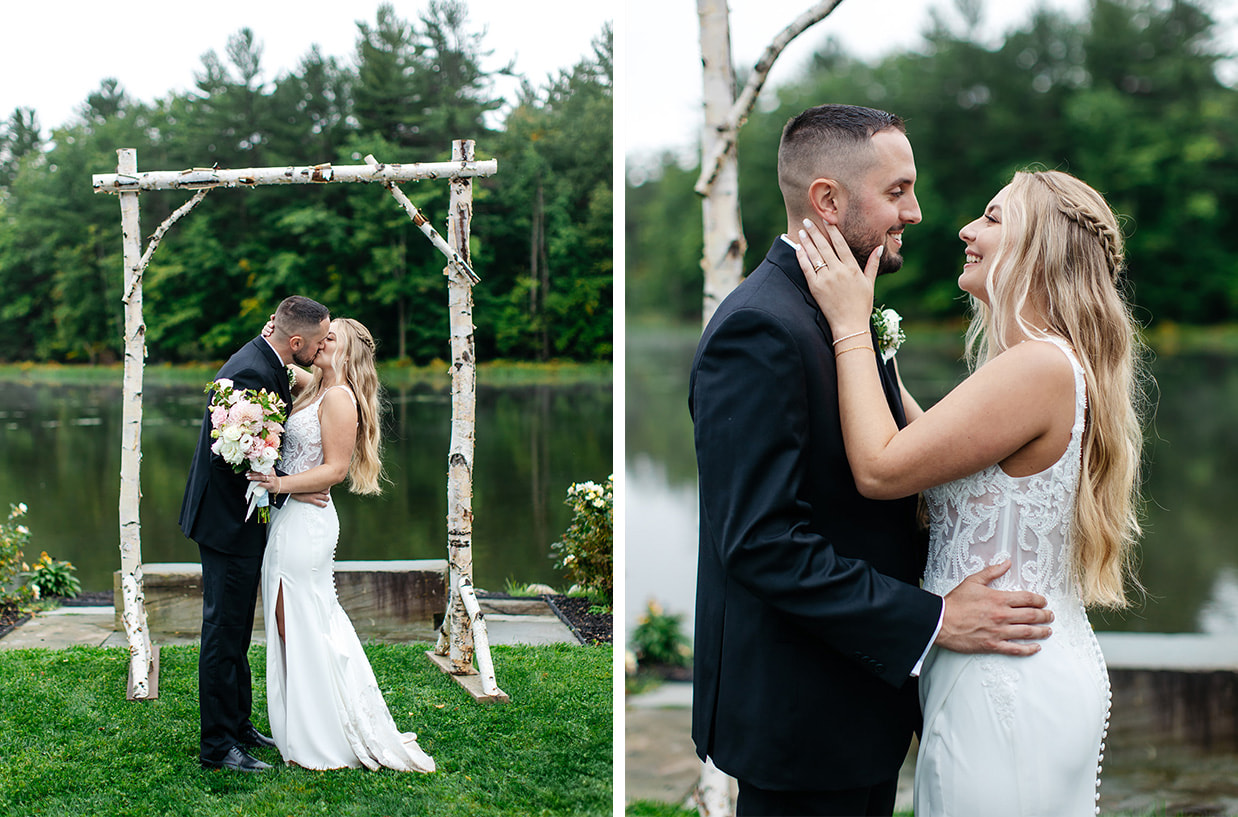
828 141
297 315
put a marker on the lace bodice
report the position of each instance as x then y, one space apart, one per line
302 444
990 516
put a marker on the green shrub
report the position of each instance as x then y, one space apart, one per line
659 638
585 551
49 577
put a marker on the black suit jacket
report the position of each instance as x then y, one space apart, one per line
809 616
213 509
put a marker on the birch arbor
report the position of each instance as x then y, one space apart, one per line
127 183
722 258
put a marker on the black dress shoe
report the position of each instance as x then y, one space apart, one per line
252 737
238 760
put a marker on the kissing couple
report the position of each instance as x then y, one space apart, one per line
324 705
827 632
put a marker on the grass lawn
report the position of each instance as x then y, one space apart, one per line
70 744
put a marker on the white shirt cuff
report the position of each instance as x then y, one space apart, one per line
915 671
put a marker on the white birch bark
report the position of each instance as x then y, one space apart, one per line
722 259
197 178
712 795
729 124
134 615
426 228
485 666
456 636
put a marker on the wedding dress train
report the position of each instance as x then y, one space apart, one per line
326 709
1009 735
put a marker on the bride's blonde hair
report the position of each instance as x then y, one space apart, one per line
1061 253
354 362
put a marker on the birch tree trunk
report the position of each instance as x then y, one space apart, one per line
134 616
456 636
723 258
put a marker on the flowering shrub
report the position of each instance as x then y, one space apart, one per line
13 537
49 577
659 639
585 551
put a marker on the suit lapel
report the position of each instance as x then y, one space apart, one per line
782 256
279 372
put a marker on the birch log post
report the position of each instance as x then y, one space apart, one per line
722 259
455 636
141 653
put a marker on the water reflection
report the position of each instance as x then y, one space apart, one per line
1188 562
61 456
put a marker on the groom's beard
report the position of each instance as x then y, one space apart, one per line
305 357
863 244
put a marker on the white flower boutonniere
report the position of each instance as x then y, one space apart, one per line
292 377
889 335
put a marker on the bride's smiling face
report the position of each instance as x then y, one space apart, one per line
982 237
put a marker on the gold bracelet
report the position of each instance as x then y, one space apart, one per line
279 482
851 349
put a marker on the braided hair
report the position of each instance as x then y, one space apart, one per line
1061 257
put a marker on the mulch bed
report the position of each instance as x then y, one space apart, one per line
11 617
590 628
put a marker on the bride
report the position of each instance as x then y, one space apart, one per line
326 709
1033 459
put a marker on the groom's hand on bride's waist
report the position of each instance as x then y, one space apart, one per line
979 619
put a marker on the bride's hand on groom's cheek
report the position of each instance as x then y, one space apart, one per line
843 291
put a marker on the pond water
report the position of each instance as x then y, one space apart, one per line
60 449
1188 559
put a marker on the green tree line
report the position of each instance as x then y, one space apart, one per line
1127 97
541 231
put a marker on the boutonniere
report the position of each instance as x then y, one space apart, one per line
889 335
292 377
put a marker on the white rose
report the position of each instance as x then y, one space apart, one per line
892 320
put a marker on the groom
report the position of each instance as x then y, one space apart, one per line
213 515
810 623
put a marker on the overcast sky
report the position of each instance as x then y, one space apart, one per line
663 52
57 51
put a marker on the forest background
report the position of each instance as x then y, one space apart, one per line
1126 96
541 232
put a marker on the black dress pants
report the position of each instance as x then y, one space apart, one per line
225 693
863 802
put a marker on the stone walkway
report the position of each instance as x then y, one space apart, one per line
660 760
530 622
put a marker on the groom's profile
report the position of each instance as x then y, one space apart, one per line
213 514
810 622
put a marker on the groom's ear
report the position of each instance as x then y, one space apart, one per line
827 197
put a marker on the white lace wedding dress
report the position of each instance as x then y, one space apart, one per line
1007 735
325 707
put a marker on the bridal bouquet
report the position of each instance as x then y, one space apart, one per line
246 424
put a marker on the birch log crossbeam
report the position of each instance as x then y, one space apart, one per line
197 178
